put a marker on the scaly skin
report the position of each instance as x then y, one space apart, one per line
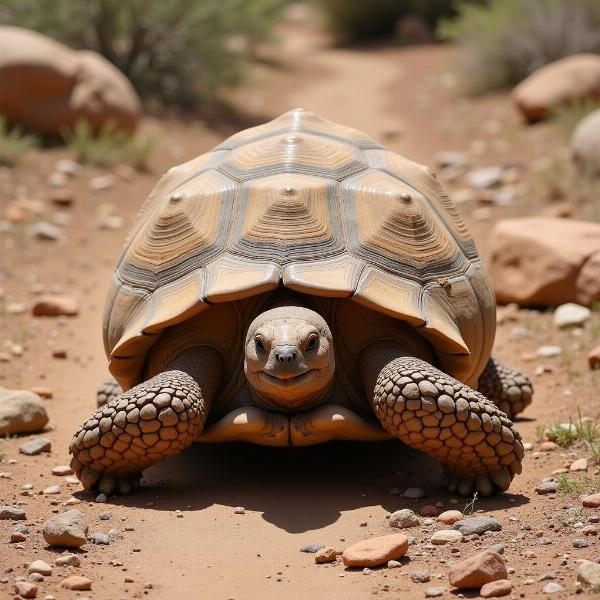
509 389
108 390
433 412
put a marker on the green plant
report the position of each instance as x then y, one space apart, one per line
109 147
177 52
569 115
589 434
566 486
505 40
356 20
470 505
14 143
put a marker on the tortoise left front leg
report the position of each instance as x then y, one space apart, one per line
509 389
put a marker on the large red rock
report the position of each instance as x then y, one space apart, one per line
376 551
477 570
585 144
566 80
545 261
47 86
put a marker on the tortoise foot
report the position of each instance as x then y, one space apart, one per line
139 428
433 412
510 390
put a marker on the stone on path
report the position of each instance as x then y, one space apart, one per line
585 144
571 315
495 589
326 555
41 567
478 570
77 582
477 525
21 411
67 529
446 536
312 548
581 464
414 493
25 589
589 573
403 519
55 306
12 513
434 592
449 517
376 551
552 588
591 501
35 447
62 470
68 560
547 487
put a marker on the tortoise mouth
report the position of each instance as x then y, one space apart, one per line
287 380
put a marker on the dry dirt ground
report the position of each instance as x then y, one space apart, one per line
181 537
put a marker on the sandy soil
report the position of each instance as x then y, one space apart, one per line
181 538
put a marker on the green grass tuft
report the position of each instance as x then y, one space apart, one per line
14 143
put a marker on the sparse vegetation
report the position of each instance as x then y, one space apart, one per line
470 505
179 53
109 147
506 40
586 432
566 486
14 143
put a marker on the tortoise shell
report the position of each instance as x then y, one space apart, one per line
314 206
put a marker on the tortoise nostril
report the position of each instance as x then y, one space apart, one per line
286 354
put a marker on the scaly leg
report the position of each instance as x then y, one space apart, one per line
433 412
150 422
108 390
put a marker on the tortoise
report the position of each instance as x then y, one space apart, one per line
300 284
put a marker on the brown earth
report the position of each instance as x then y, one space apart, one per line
181 538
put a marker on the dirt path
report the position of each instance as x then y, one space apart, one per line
181 537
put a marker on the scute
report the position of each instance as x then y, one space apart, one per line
314 206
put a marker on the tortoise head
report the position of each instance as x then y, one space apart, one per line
289 360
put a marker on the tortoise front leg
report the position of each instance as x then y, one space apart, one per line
150 422
433 412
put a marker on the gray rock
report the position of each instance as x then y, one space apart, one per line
21 411
105 516
12 513
589 573
547 577
312 548
552 588
114 534
571 315
549 351
547 487
420 576
478 525
35 447
404 518
67 529
434 592
585 144
497 548
21 528
100 539
414 492
101 498
580 543
486 177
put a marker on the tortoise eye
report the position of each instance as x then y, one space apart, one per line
312 342
260 345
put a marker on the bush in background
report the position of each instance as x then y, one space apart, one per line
357 20
176 52
506 40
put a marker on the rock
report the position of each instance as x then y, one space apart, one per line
495 589
571 315
552 588
239 510
78 85
581 464
591 501
580 543
449 517
485 178
594 358
404 518
25 589
67 529
589 573
35 447
102 182
585 144
100 539
497 548
376 551
12 513
393 564
569 79
526 266
429 511
478 570
420 576
77 582
101 498
41 567
62 197
434 592
51 490
446 536
62 470
325 555
42 392
477 525
68 560
549 351
412 30
548 446
105 516
547 487
21 411
414 493
66 166
589 530
16 537
312 548
45 231
55 306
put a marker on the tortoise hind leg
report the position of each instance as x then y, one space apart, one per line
433 412
108 390
509 389
150 422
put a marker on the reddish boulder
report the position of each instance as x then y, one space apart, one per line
477 570
566 80
47 86
376 551
545 261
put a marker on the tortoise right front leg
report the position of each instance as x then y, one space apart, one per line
150 422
